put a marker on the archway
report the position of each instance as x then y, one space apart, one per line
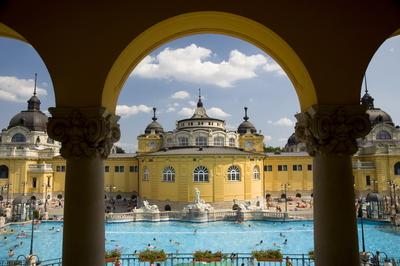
209 22
4 171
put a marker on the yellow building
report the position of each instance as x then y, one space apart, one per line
199 153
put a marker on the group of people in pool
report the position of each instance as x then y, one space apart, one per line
8 233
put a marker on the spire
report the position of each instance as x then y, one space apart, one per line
245 114
34 102
154 114
367 99
34 90
199 103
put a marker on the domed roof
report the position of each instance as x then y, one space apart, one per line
33 119
154 125
246 125
377 116
373 197
292 140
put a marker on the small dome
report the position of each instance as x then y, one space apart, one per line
246 125
154 125
377 116
373 197
292 140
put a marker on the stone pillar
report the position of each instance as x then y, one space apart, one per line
330 134
87 135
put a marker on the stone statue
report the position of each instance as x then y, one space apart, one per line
196 195
147 208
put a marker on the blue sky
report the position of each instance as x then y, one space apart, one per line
230 72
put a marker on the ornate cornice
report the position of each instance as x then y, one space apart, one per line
332 129
84 132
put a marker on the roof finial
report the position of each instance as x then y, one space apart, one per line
366 86
199 103
245 114
34 90
154 114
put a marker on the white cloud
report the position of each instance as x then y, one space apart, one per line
171 109
217 112
185 111
192 103
391 50
180 95
272 66
14 89
125 110
282 139
176 104
284 121
190 64
267 138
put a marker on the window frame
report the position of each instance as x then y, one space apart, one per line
168 174
233 173
200 174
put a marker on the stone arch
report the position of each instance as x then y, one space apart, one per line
209 22
4 171
397 168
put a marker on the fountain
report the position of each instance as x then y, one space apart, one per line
198 211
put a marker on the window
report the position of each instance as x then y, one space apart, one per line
60 168
297 167
267 168
168 174
231 142
383 134
397 168
18 138
119 169
133 169
3 172
219 141
200 174
368 180
256 172
48 181
233 173
282 167
201 141
34 182
309 167
106 168
183 141
146 174
170 141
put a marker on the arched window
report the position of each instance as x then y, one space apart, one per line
233 173
256 173
383 134
3 171
200 174
146 174
170 141
201 141
183 141
50 141
18 138
168 174
231 142
219 141
397 168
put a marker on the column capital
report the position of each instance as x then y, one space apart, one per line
332 129
84 132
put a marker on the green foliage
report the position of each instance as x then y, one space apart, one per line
114 253
200 255
152 255
268 254
119 150
272 149
311 254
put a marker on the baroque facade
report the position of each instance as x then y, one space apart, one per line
199 153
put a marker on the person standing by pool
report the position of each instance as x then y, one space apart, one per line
288 261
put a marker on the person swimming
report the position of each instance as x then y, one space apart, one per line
285 242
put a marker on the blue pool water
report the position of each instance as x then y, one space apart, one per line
225 236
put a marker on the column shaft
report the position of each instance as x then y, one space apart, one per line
335 229
83 237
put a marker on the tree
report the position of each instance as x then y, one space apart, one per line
119 149
272 149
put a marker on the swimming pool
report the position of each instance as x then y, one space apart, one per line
187 237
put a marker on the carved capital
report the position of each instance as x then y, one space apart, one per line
83 132
332 129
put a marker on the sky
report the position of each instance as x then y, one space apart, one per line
231 74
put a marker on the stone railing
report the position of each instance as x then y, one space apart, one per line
40 168
211 216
